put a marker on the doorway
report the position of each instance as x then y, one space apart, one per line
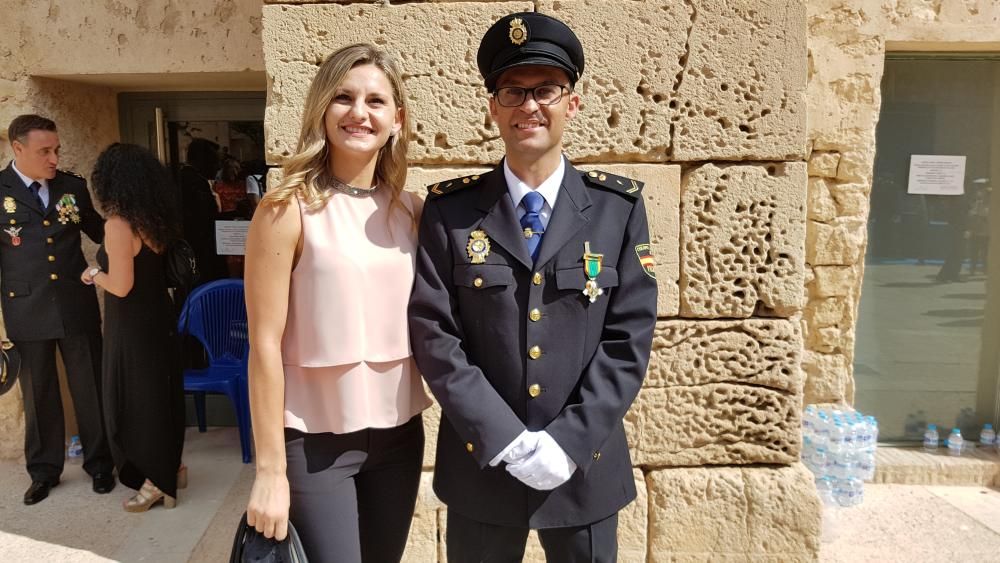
171 123
928 324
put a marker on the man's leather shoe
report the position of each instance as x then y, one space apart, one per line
104 483
38 491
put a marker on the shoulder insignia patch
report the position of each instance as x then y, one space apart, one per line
614 182
644 252
446 187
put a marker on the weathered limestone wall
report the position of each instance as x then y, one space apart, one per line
705 101
848 40
53 56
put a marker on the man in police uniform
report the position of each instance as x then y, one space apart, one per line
45 304
531 319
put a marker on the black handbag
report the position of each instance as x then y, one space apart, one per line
250 546
10 366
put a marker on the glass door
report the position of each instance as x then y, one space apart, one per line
928 329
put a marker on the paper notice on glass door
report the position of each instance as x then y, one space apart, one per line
932 174
231 237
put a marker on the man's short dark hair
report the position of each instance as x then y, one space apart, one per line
24 124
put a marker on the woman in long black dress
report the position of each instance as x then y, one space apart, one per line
143 386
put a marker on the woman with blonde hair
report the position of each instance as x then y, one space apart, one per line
334 394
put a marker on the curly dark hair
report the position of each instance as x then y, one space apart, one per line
130 183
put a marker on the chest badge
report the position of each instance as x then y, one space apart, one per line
9 205
15 235
68 210
478 246
592 267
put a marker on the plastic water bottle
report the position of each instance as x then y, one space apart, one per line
955 442
987 437
849 492
819 461
872 430
931 438
825 487
74 453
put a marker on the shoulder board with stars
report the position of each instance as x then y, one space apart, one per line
614 182
446 187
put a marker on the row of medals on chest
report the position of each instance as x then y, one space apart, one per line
66 208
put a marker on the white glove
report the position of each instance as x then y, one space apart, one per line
546 468
521 447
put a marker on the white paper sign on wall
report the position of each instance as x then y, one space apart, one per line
934 174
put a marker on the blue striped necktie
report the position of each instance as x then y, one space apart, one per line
531 223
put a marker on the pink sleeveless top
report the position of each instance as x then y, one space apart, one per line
346 349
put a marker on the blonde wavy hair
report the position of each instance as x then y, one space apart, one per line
305 173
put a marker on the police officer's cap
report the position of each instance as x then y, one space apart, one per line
529 38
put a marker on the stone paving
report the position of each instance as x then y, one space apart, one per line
905 523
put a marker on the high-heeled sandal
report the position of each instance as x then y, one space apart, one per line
147 496
182 477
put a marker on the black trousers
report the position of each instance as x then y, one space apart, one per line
44 431
352 495
469 541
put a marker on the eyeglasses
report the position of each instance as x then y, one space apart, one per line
514 96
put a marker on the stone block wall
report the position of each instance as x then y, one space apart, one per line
705 101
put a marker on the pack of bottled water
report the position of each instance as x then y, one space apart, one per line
838 446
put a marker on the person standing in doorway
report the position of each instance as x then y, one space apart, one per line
532 319
46 306
200 207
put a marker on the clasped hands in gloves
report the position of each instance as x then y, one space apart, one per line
537 460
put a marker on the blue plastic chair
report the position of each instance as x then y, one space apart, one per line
216 315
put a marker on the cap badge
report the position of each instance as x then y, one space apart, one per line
478 246
518 31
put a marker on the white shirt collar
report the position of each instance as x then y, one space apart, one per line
549 188
27 181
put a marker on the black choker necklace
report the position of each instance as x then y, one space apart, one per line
350 190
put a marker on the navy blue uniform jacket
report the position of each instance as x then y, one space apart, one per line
43 297
472 330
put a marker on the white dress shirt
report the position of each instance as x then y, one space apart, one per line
43 192
549 189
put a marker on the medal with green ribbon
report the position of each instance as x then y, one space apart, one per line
592 267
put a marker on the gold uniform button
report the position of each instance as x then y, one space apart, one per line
478 282
537 278
597 456
535 352
52 258
469 447
13 222
49 240
11 294
534 390
54 276
46 223
535 315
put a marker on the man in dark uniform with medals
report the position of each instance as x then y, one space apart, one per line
45 305
532 317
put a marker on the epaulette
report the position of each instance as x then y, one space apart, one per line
614 182
71 173
442 188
